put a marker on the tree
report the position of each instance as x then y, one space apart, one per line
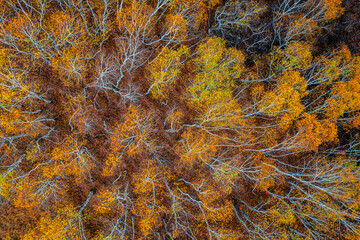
21 101
175 28
174 119
195 13
238 23
113 205
71 159
109 78
345 98
137 19
216 70
62 226
82 115
102 20
129 119
325 71
333 9
314 132
222 115
302 20
319 186
196 146
295 56
164 71
149 191
135 134
284 101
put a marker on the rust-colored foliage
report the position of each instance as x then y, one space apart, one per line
178 119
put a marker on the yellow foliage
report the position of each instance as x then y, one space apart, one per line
18 114
5 183
108 202
111 163
283 214
338 63
148 186
225 114
285 99
60 24
148 217
24 195
177 25
194 11
267 176
217 68
298 55
164 71
72 63
23 26
175 119
70 158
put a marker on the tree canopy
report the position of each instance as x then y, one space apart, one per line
179 119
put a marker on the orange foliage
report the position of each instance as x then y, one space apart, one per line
61 227
346 98
194 11
313 132
70 158
134 135
178 119
177 26
195 146
136 19
333 9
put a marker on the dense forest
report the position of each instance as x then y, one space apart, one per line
179 119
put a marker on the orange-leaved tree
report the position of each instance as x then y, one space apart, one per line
134 134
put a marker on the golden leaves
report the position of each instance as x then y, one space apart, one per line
285 99
164 71
313 132
345 98
61 25
217 67
5 183
136 18
134 134
61 227
333 9
283 214
106 201
71 158
298 55
267 177
177 26
195 146
222 115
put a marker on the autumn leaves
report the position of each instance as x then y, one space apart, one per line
174 119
